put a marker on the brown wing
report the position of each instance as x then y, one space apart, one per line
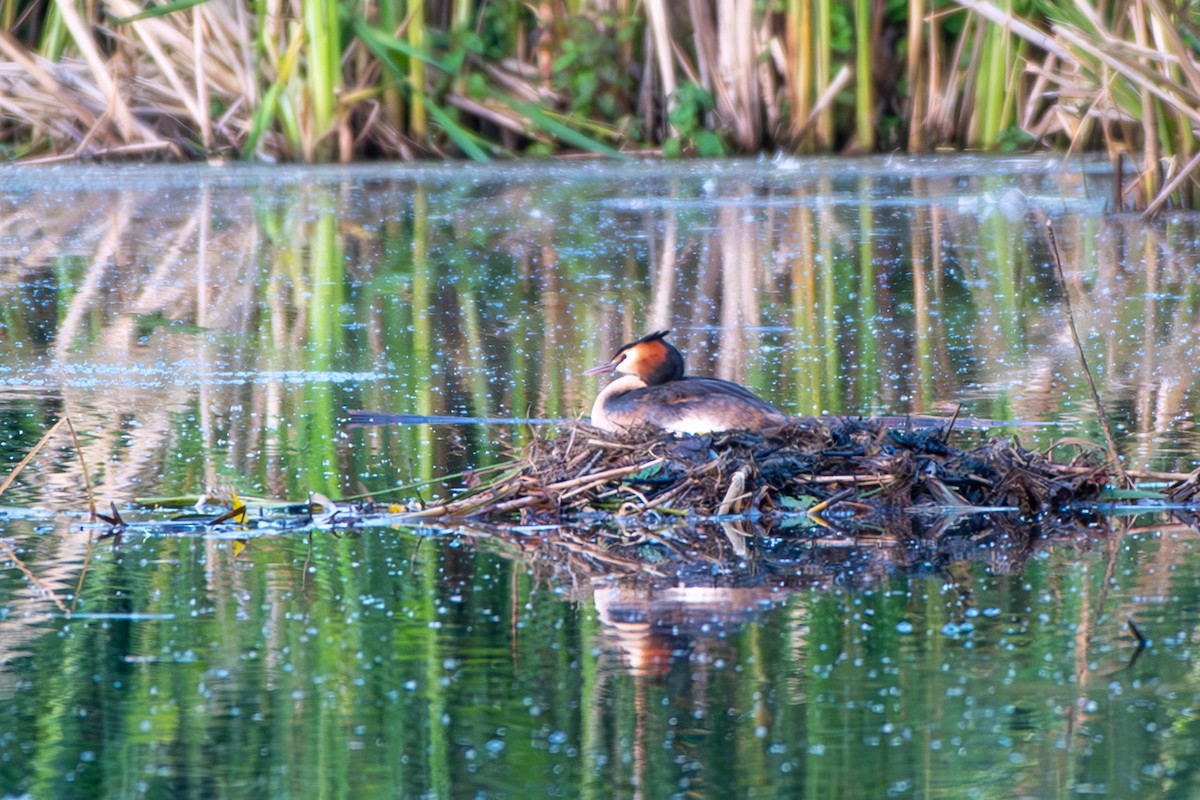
697 404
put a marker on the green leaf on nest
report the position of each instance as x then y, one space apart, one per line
802 503
645 474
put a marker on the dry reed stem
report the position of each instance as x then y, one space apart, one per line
736 490
24 462
41 74
1005 19
863 480
758 66
840 81
615 472
1113 454
15 471
660 37
82 36
1187 173
87 480
1177 97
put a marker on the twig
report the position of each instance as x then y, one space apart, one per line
87 481
1122 478
669 495
881 480
737 488
12 475
614 445
1142 642
512 505
1170 188
615 472
432 481
1151 475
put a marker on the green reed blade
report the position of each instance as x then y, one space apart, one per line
560 131
158 11
462 137
378 40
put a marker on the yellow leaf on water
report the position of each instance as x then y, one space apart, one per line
239 508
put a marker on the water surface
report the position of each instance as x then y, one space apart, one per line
206 329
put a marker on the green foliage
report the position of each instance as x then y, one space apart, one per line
589 72
1014 139
691 104
841 18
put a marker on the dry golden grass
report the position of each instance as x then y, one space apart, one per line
316 81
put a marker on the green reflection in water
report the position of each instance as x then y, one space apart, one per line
207 329
386 664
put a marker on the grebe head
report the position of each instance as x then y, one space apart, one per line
651 358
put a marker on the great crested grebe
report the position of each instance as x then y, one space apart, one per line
653 391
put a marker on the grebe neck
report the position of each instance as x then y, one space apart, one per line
623 384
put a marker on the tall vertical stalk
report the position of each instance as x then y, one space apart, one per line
918 88
1152 139
801 55
993 83
418 116
824 71
324 73
54 36
864 94
660 42
391 13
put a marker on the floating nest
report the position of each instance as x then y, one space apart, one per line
842 471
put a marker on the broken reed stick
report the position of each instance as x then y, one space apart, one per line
600 477
869 480
479 502
15 471
737 488
1122 477
87 481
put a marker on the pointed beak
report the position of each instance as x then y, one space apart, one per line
608 366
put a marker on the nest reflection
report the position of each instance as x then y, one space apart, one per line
664 595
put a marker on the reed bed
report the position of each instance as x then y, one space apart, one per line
324 81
